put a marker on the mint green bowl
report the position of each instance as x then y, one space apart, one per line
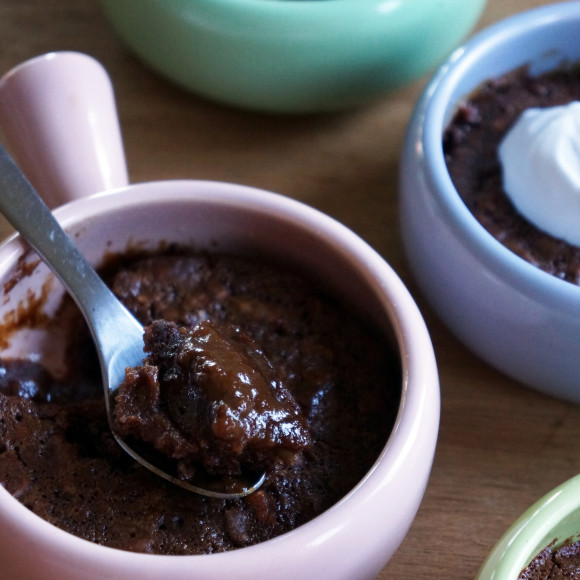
553 519
292 56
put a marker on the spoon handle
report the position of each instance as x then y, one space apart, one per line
27 212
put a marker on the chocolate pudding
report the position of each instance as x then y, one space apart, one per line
549 564
325 388
470 146
208 397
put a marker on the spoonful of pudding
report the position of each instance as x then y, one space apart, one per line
203 409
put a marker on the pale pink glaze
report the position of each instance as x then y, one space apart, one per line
354 539
59 117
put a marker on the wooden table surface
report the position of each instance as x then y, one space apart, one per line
501 446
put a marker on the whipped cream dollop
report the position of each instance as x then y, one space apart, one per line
540 156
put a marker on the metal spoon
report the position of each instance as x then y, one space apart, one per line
117 334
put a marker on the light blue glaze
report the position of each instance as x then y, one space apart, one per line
516 317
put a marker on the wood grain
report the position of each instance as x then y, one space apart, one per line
501 446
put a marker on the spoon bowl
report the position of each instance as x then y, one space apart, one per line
117 334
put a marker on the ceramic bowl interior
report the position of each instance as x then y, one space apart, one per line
553 520
541 40
212 224
292 56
